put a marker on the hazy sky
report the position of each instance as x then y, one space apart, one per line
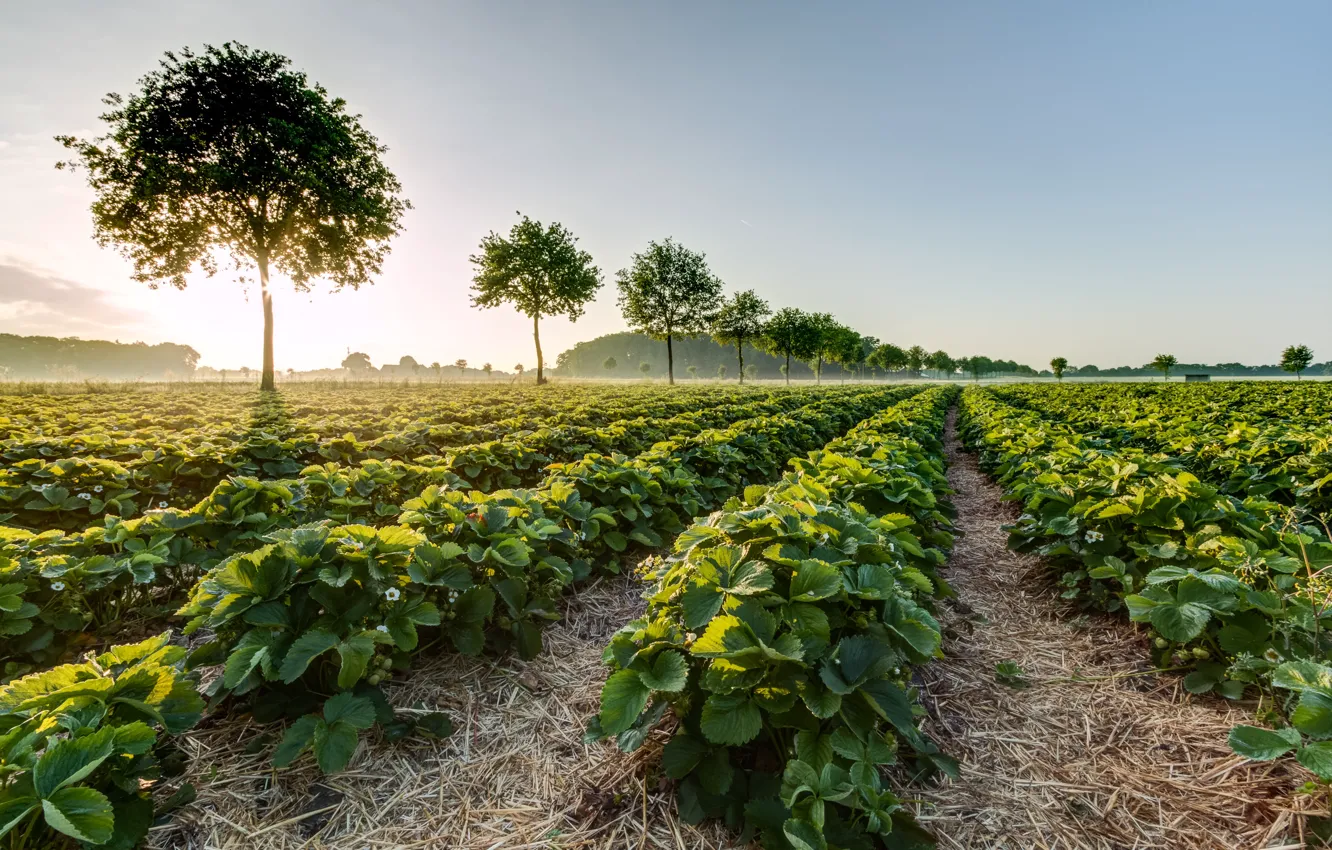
1102 181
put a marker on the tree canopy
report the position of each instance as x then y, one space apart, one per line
668 291
789 333
1163 364
1296 358
1058 365
539 270
230 150
740 320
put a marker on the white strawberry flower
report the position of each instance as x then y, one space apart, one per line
1095 537
57 586
162 504
382 628
97 489
87 497
393 594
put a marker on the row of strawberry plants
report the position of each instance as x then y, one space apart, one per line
366 413
123 477
70 585
1260 443
1233 589
323 611
781 634
339 610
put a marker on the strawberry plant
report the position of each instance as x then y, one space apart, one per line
79 748
780 635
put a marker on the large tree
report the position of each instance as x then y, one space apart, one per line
540 271
1296 358
668 291
789 333
230 151
888 357
740 320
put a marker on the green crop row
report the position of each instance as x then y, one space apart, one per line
781 634
1267 440
1234 589
41 488
73 585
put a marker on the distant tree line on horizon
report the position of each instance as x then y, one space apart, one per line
48 358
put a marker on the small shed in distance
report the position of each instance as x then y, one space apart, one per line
1192 378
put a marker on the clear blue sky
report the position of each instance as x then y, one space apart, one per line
1101 181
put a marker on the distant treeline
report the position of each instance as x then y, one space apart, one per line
629 351
1218 370
48 358
703 353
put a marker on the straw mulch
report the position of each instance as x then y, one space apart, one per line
1099 751
515 774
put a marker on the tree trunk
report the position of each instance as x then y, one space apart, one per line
266 382
788 368
536 335
670 361
818 371
740 355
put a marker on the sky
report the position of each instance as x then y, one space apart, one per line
1099 181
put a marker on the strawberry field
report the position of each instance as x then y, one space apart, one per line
295 577
178 559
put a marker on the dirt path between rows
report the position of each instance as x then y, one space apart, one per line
1122 758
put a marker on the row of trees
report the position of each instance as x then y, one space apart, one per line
1295 359
668 292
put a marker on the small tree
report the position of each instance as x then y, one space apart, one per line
518 369
609 364
740 320
231 150
825 336
645 367
940 362
1058 365
437 369
1296 358
668 291
693 371
916 360
721 371
751 371
487 368
1163 363
462 367
789 333
540 271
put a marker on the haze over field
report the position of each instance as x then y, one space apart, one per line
1095 181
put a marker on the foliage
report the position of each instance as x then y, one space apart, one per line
230 149
79 748
1163 363
668 291
781 632
539 270
741 318
50 358
1058 365
1296 358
